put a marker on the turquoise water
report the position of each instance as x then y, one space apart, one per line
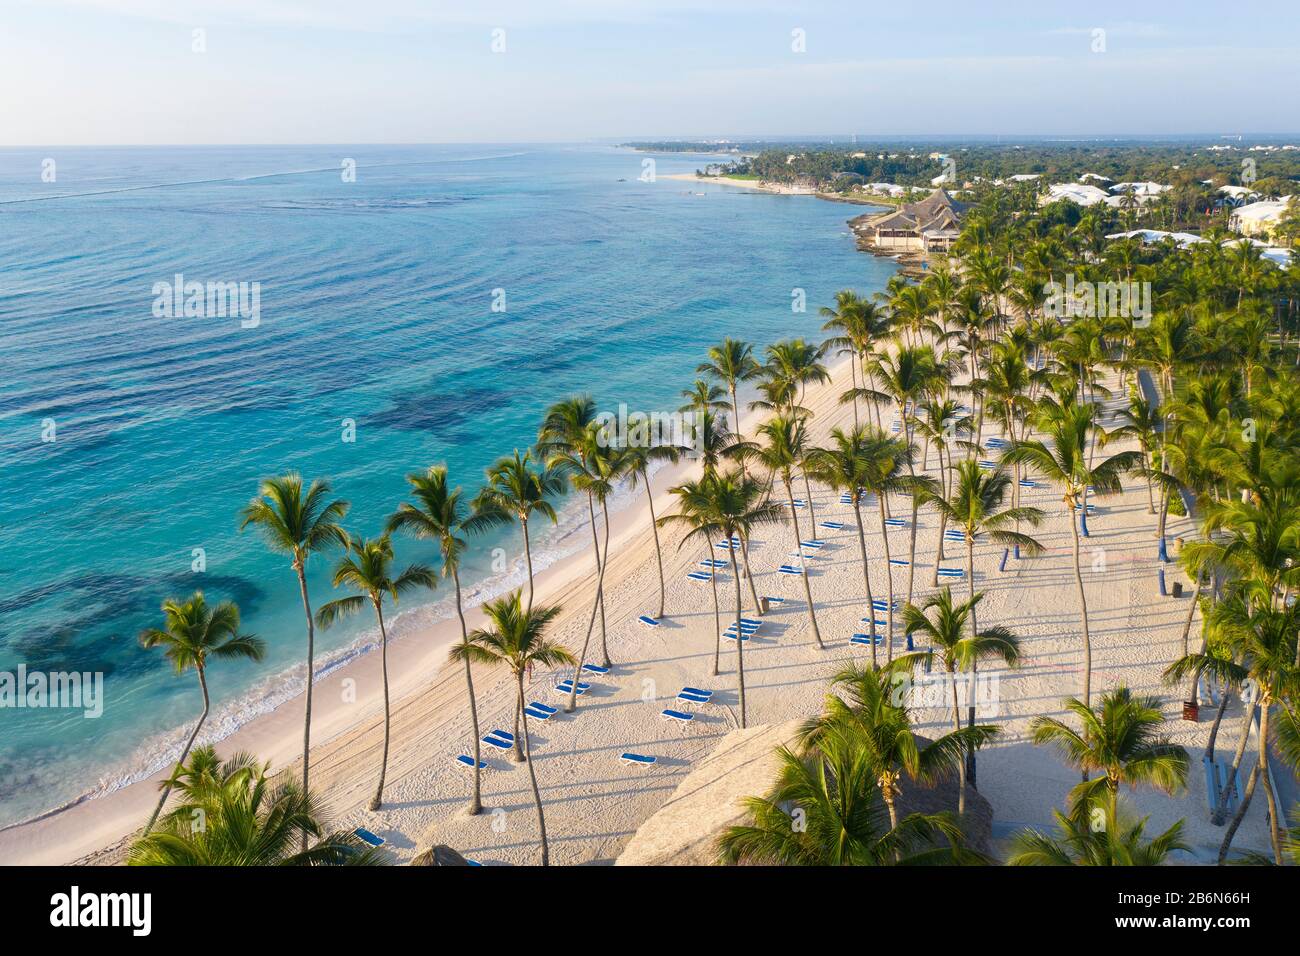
375 307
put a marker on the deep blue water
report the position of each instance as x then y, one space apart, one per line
376 306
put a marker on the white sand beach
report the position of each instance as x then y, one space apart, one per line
594 802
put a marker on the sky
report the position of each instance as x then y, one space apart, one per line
116 72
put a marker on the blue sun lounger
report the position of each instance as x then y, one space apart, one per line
878 622
750 622
500 740
686 698
833 525
895 522
789 569
1092 509
900 562
648 621
641 760
988 465
996 443
538 714
595 669
566 687
536 705
467 761
697 691
730 635
815 544
880 604
950 572
1028 483
774 600
368 837
669 714
700 575
800 503
714 563
954 534
865 639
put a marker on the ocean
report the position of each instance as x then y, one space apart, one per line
413 305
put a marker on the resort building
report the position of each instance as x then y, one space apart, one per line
1079 194
931 225
1259 218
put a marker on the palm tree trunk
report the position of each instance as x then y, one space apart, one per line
744 553
974 630
803 568
378 800
1083 615
1239 816
1273 828
812 510
889 579
659 557
866 577
604 647
311 653
582 658
717 615
532 774
956 725
180 764
528 557
740 644
476 802
1220 812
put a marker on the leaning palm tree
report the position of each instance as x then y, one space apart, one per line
693 504
298 525
367 569
516 491
1121 740
1079 843
192 632
1068 426
230 814
825 809
734 504
516 637
784 444
441 514
960 653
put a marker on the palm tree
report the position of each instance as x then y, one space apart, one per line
636 465
693 509
191 633
1068 426
907 376
1121 740
230 814
732 503
515 491
367 569
825 809
875 720
732 363
847 468
441 514
517 638
885 458
960 653
298 525
785 444
1080 844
